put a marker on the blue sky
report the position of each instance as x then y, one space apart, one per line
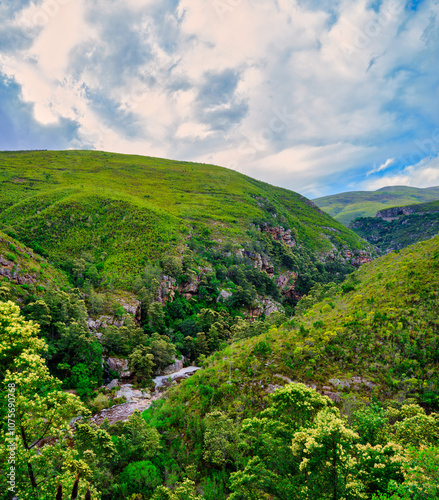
319 96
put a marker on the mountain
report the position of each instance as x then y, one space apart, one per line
375 334
316 382
119 212
345 207
397 227
370 345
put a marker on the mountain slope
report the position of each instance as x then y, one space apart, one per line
346 207
377 334
124 211
397 227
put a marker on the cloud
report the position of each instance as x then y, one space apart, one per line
423 174
384 166
20 130
308 94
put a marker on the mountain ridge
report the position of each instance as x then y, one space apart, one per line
349 205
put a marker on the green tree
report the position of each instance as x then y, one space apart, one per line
139 478
141 362
138 441
325 454
43 411
16 336
184 491
220 438
162 350
172 266
156 316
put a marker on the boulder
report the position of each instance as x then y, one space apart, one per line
175 367
130 394
114 383
120 366
224 295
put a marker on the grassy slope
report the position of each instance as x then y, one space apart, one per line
28 265
385 329
126 210
346 207
420 225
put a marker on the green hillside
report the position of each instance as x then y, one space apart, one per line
374 338
26 271
345 207
143 252
124 211
380 324
318 382
398 227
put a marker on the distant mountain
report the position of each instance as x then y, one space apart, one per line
397 227
345 207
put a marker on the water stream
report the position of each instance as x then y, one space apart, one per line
124 411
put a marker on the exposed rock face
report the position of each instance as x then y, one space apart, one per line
167 289
175 367
264 306
120 366
103 322
114 383
127 391
393 213
10 270
169 286
224 295
164 380
131 306
280 234
287 283
347 256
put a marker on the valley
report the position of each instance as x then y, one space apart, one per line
211 336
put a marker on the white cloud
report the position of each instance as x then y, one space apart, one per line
322 88
423 174
389 162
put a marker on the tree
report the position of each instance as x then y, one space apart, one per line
43 411
162 350
273 469
141 362
184 491
220 438
172 266
138 440
325 457
156 316
16 336
139 477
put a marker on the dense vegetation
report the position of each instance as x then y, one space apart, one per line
237 428
345 207
398 227
170 239
123 211
313 386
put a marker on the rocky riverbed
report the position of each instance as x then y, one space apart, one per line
138 399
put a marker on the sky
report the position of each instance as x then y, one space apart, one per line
317 96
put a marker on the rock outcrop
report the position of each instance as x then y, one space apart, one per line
175 367
10 270
120 366
264 306
393 213
126 391
279 233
